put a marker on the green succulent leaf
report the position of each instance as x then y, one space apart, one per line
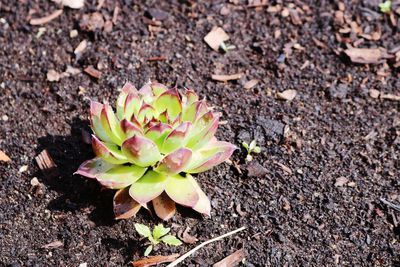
181 190
121 176
143 230
169 101
245 145
160 231
252 145
111 125
171 240
148 250
150 186
97 127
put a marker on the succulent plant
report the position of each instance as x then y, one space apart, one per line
151 147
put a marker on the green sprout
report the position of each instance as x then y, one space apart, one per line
252 148
159 234
385 7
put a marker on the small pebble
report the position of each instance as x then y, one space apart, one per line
35 181
23 168
4 118
73 33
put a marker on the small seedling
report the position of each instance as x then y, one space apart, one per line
252 148
159 234
385 7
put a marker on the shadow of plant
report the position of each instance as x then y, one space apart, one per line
76 193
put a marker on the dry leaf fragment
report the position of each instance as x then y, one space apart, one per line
216 37
44 20
4 157
364 55
54 244
164 206
232 260
341 181
93 72
154 260
225 78
92 22
124 205
44 161
288 95
250 84
53 76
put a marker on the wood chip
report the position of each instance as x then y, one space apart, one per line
81 47
4 157
390 97
341 181
75 4
187 238
364 55
284 168
225 78
54 244
44 161
44 20
250 84
288 95
154 260
93 72
216 37
53 76
232 260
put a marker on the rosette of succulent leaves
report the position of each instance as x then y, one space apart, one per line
150 148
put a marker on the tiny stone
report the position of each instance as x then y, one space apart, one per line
35 181
23 168
73 33
351 184
4 118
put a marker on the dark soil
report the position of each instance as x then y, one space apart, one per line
286 196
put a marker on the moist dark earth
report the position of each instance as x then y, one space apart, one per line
310 198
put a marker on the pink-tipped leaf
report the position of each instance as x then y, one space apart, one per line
93 167
170 101
203 205
108 152
177 138
211 155
95 120
158 132
175 162
203 130
130 129
141 151
111 125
